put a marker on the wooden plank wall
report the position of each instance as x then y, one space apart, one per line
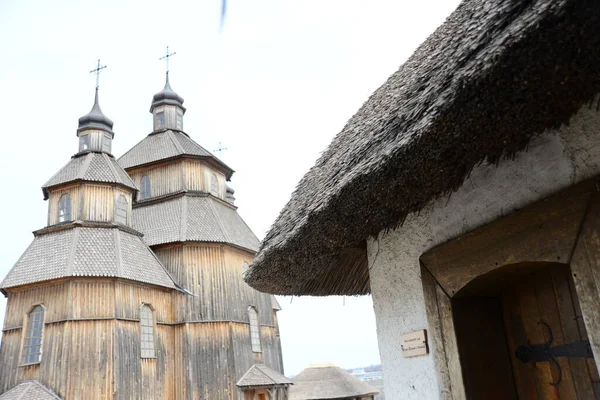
54 198
89 202
175 176
213 273
99 318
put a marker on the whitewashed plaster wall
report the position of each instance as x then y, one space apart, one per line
554 160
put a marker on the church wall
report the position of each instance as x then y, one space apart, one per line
137 378
89 202
554 160
213 273
242 349
164 178
54 197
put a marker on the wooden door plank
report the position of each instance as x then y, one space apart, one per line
435 334
454 367
591 365
543 232
548 308
524 374
566 310
585 266
536 335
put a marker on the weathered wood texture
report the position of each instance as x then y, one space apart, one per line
203 344
89 202
176 176
543 232
213 273
585 267
442 337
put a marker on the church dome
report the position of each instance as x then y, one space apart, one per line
166 97
95 119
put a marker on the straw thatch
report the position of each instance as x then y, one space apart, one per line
492 76
328 381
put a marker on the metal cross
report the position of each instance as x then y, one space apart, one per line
97 72
167 56
220 149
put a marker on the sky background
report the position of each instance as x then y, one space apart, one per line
273 86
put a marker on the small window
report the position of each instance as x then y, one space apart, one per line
145 187
64 208
245 266
160 120
214 185
254 329
121 210
32 346
106 142
179 120
84 142
147 332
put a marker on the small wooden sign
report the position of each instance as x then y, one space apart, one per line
414 344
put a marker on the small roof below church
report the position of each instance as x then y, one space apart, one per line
87 249
167 144
29 390
97 167
192 217
261 375
328 381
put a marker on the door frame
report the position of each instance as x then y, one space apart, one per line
562 228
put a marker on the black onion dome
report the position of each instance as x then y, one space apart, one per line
95 119
166 96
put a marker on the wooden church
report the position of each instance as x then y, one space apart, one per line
134 288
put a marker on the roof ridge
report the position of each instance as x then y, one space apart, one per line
119 256
175 141
72 251
183 223
86 165
216 214
111 167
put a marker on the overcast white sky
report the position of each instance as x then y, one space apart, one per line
274 87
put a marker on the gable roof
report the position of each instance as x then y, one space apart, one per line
101 250
496 73
29 390
167 144
91 166
189 217
261 375
328 382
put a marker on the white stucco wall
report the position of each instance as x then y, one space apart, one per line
555 160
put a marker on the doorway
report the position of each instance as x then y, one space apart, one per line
502 317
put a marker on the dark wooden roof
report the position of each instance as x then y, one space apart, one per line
496 73
259 375
33 390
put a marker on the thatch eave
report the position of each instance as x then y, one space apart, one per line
494 75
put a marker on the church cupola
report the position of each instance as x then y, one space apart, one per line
95 129
167 106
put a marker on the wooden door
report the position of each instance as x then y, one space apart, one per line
547 297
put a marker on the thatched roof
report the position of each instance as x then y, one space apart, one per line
496 73
328 381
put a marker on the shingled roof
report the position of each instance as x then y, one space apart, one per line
260 375
91 166
328 381
496 73
29 390
168 144
87 250
192 217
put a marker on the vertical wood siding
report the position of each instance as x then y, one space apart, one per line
164 178
54 197
98 202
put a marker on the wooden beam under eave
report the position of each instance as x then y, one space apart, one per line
544 232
